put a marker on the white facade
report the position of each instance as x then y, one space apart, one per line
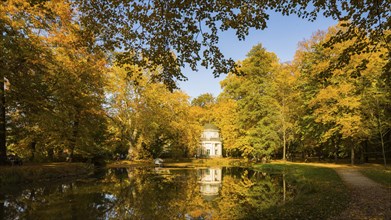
210 142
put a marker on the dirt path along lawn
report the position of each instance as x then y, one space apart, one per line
369 200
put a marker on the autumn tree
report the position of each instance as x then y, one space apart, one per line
334 98
25 55
225 113
78 100
256 114
146 119
284 99
54 90
203 108
123 98
166 122
19 24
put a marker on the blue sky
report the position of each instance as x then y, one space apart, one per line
281 37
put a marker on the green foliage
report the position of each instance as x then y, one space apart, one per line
203 100
254 139
264 101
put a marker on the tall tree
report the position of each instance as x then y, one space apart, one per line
334 97
259 136
54 81
284 101
226 118
123 98
24 26
149 119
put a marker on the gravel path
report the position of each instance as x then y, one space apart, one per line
369 200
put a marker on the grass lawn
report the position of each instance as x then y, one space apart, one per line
378 174
320 192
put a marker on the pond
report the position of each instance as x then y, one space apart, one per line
151 193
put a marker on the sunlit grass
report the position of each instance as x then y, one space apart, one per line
320 192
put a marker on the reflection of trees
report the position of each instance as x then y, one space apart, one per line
248 194
151 194
147 194
58 201
156 195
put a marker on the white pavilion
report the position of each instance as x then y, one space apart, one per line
210 142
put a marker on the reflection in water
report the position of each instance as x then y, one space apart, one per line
162 193
210 181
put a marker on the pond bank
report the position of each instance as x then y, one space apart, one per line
210 162
32 173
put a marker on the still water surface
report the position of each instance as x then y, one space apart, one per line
151 193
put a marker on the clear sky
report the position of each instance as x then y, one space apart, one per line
281 37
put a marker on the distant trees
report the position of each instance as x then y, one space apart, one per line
204 100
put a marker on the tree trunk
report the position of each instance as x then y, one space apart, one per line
284 145
366 156
50 153
3 146
379 126
362 159
133 142
352 155
75 132
33 149
383 151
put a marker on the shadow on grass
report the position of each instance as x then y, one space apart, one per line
321 193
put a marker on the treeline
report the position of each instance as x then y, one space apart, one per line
66 95
317 105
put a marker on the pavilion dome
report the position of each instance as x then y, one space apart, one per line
210 126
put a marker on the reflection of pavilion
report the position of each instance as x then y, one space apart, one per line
210 180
